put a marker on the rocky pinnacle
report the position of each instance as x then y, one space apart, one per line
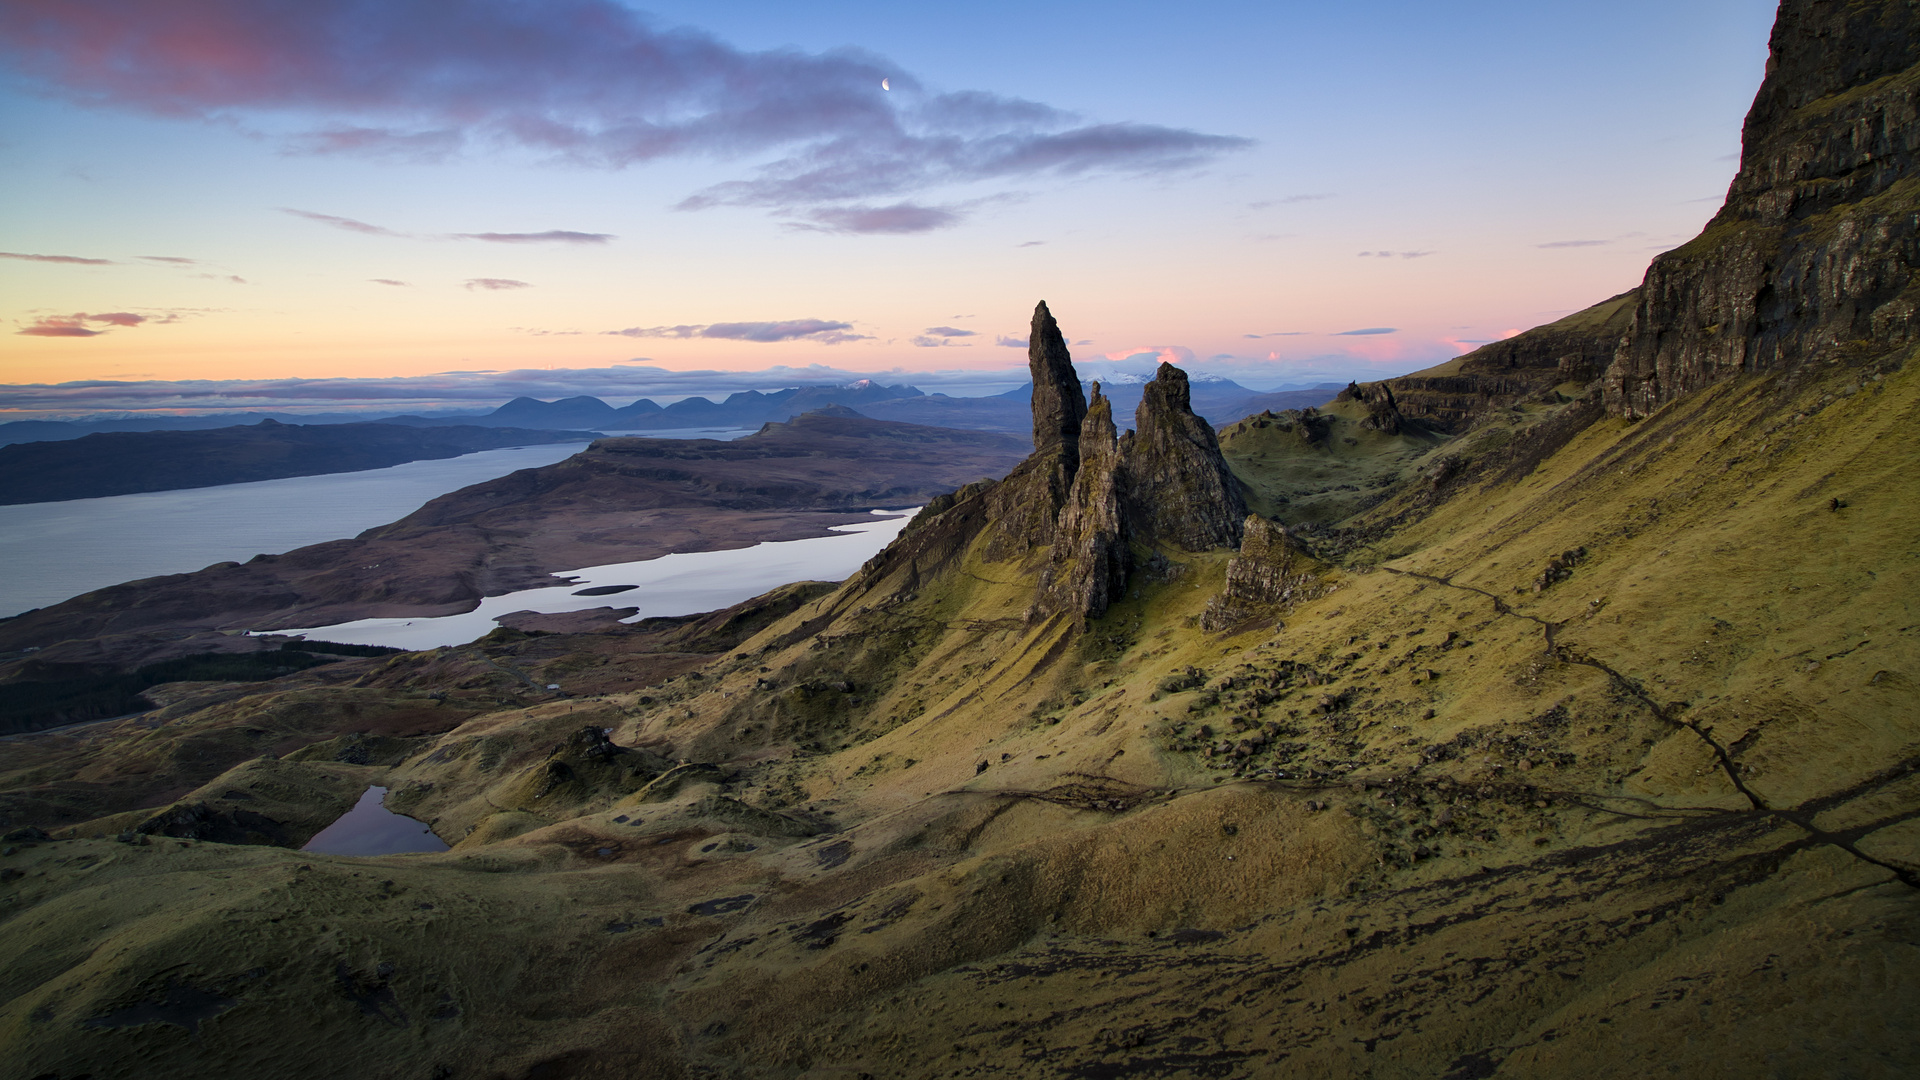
1058 403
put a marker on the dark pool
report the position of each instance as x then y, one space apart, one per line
372 829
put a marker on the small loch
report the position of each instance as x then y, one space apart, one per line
372 829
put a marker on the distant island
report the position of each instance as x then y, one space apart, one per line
122 463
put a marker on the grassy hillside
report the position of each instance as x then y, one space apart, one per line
1468 804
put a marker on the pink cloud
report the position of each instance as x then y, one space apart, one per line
1166 354
75 325
497 283
58 326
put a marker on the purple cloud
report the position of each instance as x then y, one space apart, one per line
70 259
898 218
551 236
820 330
583 81
1010 342
171 260
1368 330
938 336
387 281
496 283
1391 254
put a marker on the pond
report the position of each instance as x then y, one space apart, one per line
372 829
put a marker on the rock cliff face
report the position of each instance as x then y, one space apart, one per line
1814 256
1818 243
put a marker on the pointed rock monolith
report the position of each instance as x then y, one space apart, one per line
1059 406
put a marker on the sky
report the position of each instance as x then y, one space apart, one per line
208 204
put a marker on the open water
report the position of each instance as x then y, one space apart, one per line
52 551
678 584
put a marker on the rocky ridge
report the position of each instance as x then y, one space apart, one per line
1087 497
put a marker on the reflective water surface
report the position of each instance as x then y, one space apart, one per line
372 829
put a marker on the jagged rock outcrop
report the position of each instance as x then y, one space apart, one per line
1088 565
1179 486
1383 413
1270 573
1087 495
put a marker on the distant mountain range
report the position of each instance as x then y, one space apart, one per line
1220 400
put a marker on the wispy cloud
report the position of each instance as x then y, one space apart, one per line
388 281
551 236
899 218
75 325
338 222
821 330
1031 243
1278 333
170 260
74 260
938 336
1368 331
60 326
1573 243
496 283
1010 342
588 82
1289 199
1395 254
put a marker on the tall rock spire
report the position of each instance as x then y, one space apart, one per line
1059 406
1025 508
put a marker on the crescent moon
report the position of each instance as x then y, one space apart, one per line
884 85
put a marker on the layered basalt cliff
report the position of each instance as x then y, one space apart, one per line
1818 244
1814 256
